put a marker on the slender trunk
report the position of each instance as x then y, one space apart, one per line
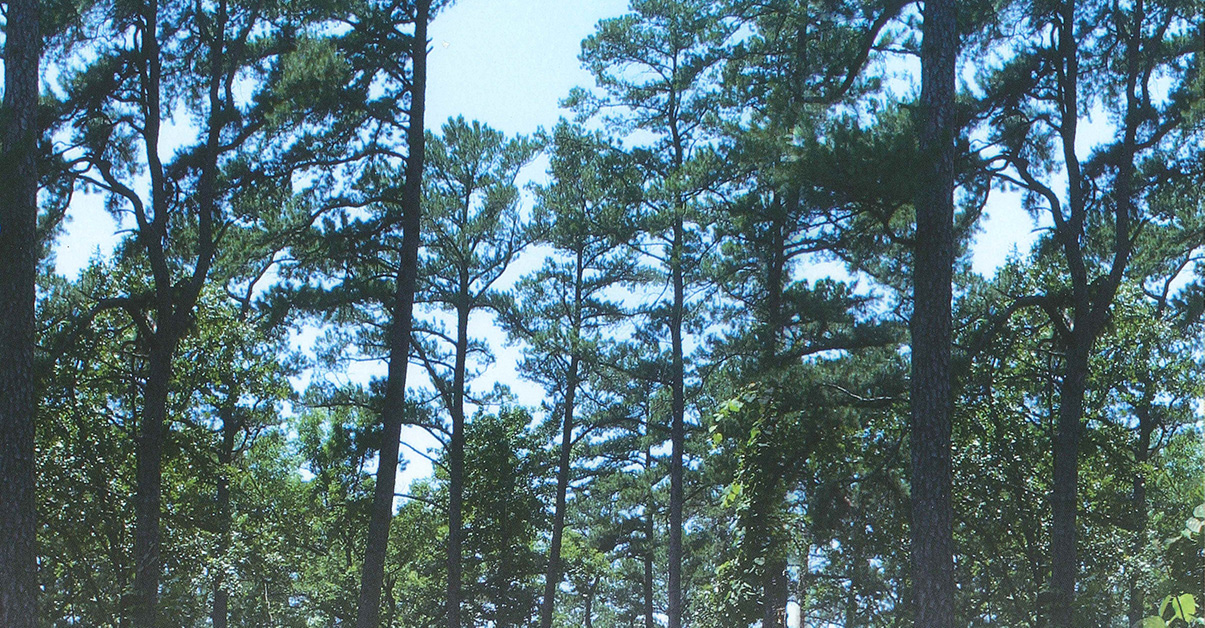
504 578
589 609
1136 609
18 260
162 342
677 428
775 590
372 576
1065 561
148 562
774 581
932 401
649 531
1146 422
456 463
221 595
553 577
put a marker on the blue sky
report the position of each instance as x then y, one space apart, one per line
508 63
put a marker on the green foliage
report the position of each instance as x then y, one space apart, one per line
726 150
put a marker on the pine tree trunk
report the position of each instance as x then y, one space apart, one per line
372 576
932 401
589 607
552 579
649 532
1064 496
18 260
776 593
774 583
1136 609
221 595
677 429
456 464
148 497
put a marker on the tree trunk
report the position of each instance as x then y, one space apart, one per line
1136 609
589 609
372 576
1065 561
932 401
774 582
649 532
148 496
776 593
553 577
18 261
456 463
230 428
677 428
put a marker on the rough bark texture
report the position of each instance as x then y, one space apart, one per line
933 567
372 575
1091 298
148 496
18 258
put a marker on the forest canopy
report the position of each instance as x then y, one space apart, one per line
716 348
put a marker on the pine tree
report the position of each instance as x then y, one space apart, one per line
18 260
473 232
585 215
659 63
933 267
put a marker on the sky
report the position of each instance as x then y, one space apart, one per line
508 63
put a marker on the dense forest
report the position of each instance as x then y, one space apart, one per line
772 388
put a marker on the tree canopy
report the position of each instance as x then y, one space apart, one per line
716 348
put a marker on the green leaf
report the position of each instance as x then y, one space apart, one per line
1187 607
1153 622
1199 512
1184 607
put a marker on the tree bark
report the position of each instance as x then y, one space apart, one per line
649 533
553 577
1065 562
932 401
372 575
776 593
18 261
456 462
1136 603
148 496
677 427
219 614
